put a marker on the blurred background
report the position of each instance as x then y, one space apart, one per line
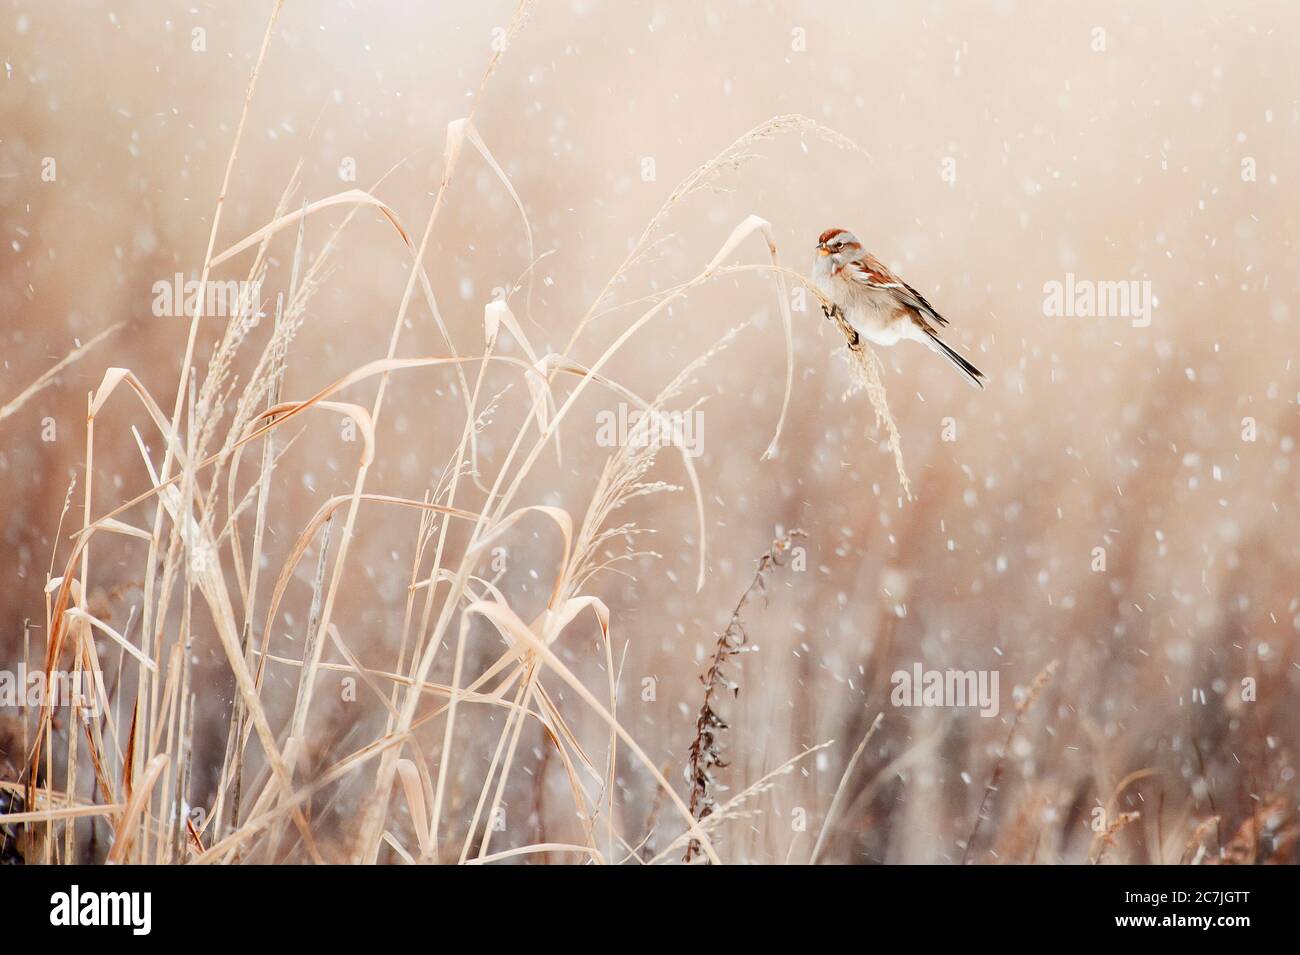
1005 145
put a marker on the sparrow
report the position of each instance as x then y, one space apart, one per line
876 303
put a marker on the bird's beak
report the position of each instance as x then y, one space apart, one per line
822 250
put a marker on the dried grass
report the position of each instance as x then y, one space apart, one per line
143 768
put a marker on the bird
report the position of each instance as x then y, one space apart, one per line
876 303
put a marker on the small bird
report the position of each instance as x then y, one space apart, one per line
876 303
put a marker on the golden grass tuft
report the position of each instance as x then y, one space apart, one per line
204 519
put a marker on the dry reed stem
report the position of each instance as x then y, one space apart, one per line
706 751
843 784
45 379
1031 696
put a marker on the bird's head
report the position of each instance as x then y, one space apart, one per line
840 245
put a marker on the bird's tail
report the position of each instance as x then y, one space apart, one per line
973 374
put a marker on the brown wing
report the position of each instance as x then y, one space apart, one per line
873 273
